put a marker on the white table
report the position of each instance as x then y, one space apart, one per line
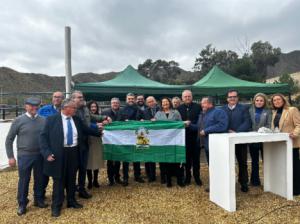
4 128
278 165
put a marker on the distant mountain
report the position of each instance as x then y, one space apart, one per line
13 81
288 63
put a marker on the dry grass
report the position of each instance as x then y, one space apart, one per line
152 203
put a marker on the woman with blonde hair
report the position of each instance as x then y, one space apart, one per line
261 116
287 119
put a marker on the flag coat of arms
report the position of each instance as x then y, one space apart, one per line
144 141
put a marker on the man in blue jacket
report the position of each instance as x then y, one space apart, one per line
51 109
211 120
239 121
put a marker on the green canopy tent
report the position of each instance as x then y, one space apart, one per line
217 83
129 80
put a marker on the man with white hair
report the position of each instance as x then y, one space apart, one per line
189 112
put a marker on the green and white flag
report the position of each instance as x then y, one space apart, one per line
144 141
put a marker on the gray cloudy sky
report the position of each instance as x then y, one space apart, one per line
109 35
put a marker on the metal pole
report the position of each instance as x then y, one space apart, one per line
1 94
68 66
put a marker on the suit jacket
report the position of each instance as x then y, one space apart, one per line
290 123
52 142
190 112
148 115
114 116
131 112
264 121
214 120
173 116
239 118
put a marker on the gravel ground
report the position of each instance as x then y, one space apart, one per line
151 203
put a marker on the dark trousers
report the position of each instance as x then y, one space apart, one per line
45 183
206 149
241 155
113 170
83 159
150 168
25 165
68 179
167 170
296 171
163 172
192 158
254 153
136 170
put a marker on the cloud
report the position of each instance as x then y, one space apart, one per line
109 35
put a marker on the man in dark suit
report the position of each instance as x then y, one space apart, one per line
60 142
113 167
189 112
149 114
239 121
131 112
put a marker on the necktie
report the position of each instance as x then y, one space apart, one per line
69 132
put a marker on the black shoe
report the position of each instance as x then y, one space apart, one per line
40 204
255 183
111 183
198 181
74 204
151 179
207 189
169 184
96 184
118 181
180 184
21 210
244 188
55 212
139 180
163 180
125 183
84 194
296 193
187 181
90 185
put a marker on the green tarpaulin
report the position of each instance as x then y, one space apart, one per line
127 81
217 83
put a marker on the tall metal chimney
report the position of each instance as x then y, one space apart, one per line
68 65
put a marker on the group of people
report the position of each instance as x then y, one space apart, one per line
62 140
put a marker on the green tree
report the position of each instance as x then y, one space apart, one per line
210 56
263 55
293 84
160 70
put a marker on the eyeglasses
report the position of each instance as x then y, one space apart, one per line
232 97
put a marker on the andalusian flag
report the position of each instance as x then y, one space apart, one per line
145 141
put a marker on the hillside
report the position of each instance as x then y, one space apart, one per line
288 63
13 81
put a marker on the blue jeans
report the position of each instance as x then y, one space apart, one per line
25 165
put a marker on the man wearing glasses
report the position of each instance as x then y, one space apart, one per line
239 121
